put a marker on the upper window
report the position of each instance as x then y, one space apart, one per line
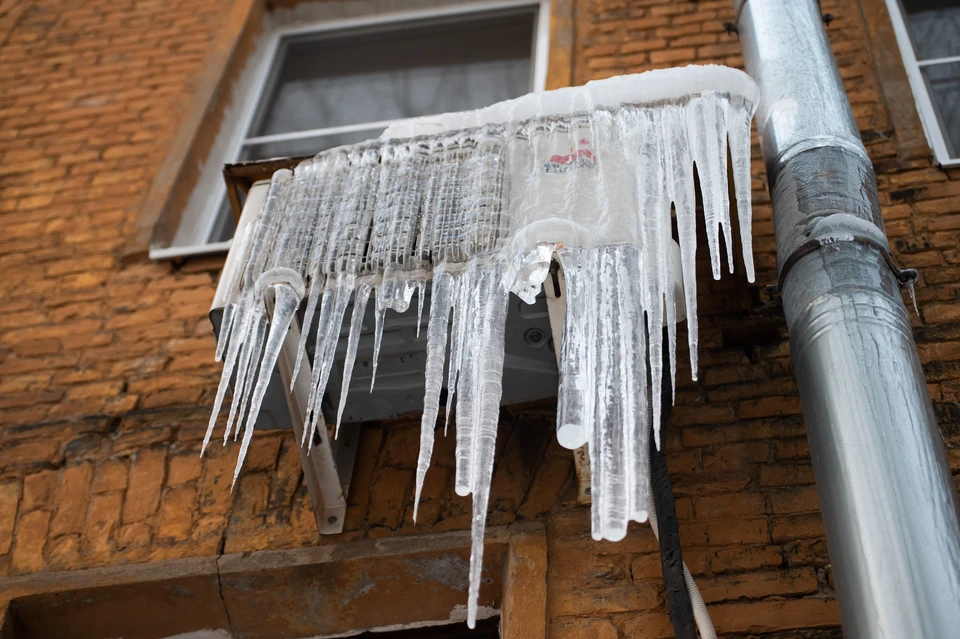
928 32
344 81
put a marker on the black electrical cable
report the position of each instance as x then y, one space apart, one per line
671 558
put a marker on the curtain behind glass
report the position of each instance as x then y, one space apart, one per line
403 72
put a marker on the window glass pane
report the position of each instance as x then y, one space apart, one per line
224 227
332 80
934 27
943 82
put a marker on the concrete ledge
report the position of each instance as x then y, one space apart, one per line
300 592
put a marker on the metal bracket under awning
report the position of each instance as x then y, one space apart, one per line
327 462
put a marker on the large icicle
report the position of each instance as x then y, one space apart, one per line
482 202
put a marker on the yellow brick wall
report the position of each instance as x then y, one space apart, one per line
107 374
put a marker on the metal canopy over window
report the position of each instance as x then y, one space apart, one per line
928 32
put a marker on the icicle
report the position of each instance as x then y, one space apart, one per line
312 300
485 383
377 338
332 309
287 289
245 356
226 324
738 132
356 323
575 395
421 288
678 175
456 345
441 301
233 355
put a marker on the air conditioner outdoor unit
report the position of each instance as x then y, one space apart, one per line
533 333
530 373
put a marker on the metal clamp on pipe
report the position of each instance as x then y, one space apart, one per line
826 194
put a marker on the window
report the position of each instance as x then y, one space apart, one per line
344 81
928 32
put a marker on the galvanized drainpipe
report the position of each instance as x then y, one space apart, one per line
889 506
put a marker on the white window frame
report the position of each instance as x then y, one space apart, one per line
928 114
263 68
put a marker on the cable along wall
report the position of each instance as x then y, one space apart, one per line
476 205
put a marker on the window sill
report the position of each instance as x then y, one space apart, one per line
180 252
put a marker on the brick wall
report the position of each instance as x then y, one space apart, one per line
106 371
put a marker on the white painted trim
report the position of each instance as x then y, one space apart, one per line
316 133
248 110
933 61
541 47
928 115
194 250
412 15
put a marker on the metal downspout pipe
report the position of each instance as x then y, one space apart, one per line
889 506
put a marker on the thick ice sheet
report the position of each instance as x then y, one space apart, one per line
481 203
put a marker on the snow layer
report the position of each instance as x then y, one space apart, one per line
479 204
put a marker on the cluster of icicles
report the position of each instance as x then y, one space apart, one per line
478 204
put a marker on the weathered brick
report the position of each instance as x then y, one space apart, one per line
764 617
757 585
583 629
177 512
9 501
794 500
110 475
730 505
737 531
38 490
782 474
736 455
388 496
796 527
102 518
182 469
31 537
72 496
746 558
146 480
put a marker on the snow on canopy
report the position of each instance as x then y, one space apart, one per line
478 204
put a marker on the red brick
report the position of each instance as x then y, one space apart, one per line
110 475
39 489
9 501
177 512
146 479
796 527
731 505
794 500
757 585
746 558
102 518
764 617
31 536
583 628
72 497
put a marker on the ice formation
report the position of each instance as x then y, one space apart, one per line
478 204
